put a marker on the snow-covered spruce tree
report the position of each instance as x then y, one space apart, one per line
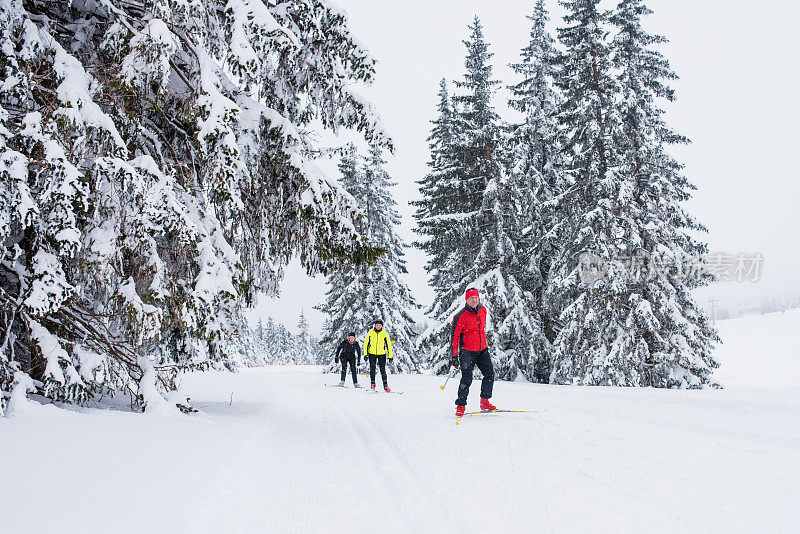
467 209
267 346
320 355
588 208
344 300
440 191
535 178
259 338
388 297
241 343
155 163
438 219
302 351
358 295
262 349
282 345
666 329
612 333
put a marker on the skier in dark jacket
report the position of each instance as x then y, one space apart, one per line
347 352
469 333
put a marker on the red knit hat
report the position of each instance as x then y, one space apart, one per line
471 292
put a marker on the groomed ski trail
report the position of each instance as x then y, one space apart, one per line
289 455
413 504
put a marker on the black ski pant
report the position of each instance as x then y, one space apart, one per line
468 359
352 361
381 361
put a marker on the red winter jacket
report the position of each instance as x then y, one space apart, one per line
469 329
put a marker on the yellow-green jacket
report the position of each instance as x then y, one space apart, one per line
378 343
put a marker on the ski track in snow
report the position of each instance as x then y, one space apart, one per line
290 455
409 503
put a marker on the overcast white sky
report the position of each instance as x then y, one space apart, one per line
737 102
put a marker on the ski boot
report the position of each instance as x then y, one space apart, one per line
386 389
357 385
372 387
487 406
341 384
460 410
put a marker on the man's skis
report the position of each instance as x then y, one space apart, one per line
458 419
509 411
335 386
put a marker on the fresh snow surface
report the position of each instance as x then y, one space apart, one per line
273 450
760 350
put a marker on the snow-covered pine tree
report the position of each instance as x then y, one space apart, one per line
240 342
156 173
439 190
588 207
267 347
666 329
359 295
259 334
344 300
611 333
302 353
468 208
282 345
535 178
320 355
387 296
438 222
261 350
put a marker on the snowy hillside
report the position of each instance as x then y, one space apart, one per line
273 450
760 350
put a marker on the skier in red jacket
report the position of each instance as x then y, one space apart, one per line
469 332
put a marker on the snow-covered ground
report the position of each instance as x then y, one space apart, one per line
760 350
275 451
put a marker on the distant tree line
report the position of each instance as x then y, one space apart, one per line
272 343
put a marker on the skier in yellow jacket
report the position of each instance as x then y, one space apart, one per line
376 347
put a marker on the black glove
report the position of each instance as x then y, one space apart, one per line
336 359
454 362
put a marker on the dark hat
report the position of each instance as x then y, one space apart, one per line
351 334
376 321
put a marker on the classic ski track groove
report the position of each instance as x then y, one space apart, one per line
515 499
296 499
322 468
399 517
538 471
512 497
410 474
397 474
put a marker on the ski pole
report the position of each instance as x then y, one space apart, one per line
450 374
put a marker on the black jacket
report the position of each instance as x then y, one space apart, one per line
346 349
